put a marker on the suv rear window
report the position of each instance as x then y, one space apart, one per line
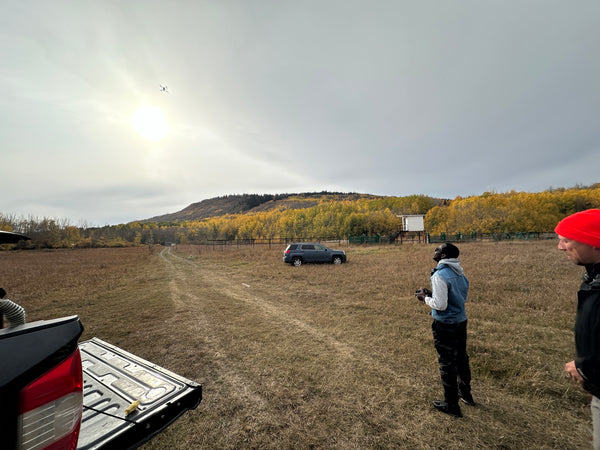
292 247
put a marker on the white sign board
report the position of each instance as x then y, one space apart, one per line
413 223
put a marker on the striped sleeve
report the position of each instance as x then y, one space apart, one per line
15 314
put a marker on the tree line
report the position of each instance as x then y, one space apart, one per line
487 213
511 212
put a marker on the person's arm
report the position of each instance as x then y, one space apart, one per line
15 314
439 296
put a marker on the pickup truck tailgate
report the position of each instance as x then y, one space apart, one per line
114 382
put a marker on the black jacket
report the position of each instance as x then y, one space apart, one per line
587 330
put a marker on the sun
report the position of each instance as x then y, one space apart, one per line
150 123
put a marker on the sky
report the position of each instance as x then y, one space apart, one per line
442 98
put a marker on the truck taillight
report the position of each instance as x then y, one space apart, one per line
50 407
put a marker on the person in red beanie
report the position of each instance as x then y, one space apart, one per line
579 238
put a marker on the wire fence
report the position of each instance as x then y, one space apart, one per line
270 243
393 239
427 238
476 236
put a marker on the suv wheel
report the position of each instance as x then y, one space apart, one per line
337 260
297 261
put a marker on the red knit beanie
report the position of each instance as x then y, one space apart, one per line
582 227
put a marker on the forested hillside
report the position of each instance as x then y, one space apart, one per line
245 203
320 215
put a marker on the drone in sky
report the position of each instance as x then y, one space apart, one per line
163 88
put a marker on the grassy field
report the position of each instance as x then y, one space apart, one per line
324 356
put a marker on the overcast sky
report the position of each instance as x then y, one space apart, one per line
398 97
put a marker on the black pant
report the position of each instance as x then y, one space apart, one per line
450 340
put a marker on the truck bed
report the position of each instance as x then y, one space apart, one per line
126 399
115 380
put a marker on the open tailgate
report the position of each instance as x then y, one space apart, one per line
113 381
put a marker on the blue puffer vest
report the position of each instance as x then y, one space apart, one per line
458 288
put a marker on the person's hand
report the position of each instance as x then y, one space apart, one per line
572 372
422 293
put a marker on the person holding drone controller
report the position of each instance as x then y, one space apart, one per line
447 297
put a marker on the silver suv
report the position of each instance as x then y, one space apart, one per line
311 252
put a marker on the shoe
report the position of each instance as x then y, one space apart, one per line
467 398
446 408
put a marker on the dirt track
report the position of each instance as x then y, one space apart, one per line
213 282
267 355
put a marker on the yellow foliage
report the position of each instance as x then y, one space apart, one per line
510 212
332 217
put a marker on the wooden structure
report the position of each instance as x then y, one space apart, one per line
411 228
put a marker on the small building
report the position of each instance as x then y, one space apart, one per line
412 222
411 228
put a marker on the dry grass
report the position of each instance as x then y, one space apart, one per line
325 356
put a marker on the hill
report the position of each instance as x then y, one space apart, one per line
245 203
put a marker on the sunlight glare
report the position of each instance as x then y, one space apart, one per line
150 123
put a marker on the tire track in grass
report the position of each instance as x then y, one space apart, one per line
187 302
286 316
